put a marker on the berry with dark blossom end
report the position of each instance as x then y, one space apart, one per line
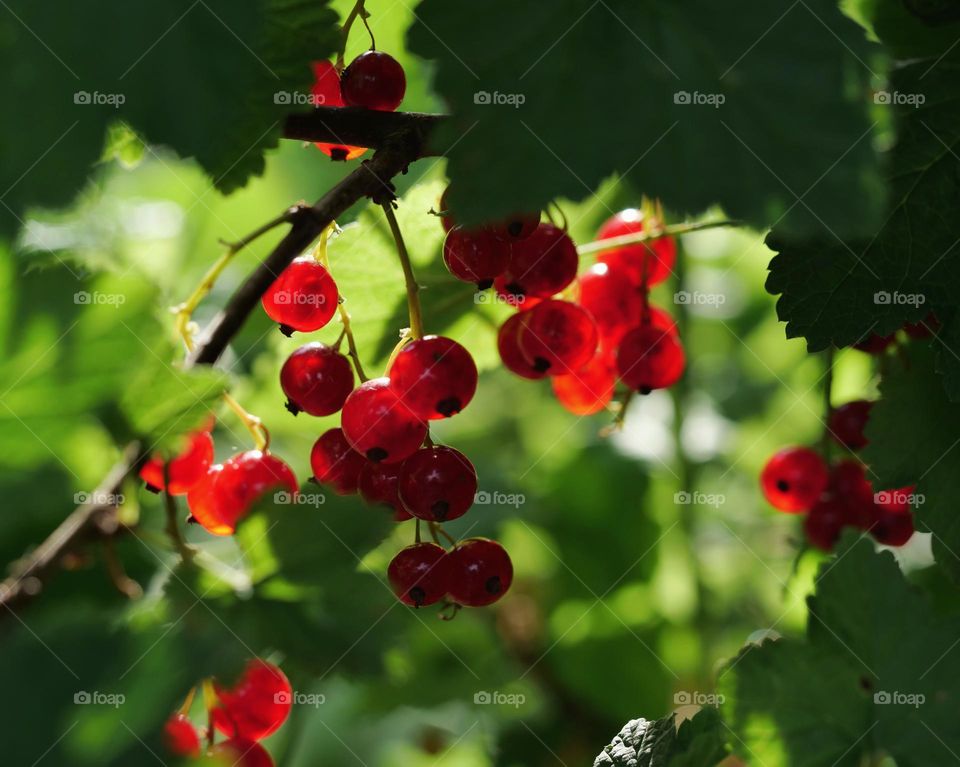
303 298
793 479
316 379
557 337
181 737
379 425
379 485
256 706
654 258
335 464
508 345
434 376
517 227
238 752
650 358
374 80
590 389
185 470
419 574
438 484
541 265
326 93
245 479
475 255
480 572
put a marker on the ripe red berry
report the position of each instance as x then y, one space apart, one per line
256 705
434 376
181 737
540 265
650 358
517 227
508 344
186 470
237 752
438 484
848 484
874 344
824 523
557 337
304 297
656 257
243 480
480 572
419 574
793 479
590 389
326 93
661 320
613 300
379 485
316 380
475 255
374 80
202 502
898 501
847 422
378 424
892 528
335 464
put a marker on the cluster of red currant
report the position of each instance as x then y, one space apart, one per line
585 332
798 480
253 709
877 344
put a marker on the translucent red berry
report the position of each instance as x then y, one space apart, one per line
650 358
379 485
557 337
335 464
848 485
374 80
245 479
316 380
540 265
303 298
204 509
438 484
181 737
434 376
874 344
475 255
517 227
326 93
613 300
656 257
419 574
590 389
793 479
847 422
256 705
238 752
480 572
186 470
892 528
661 320
378 424
508 344
898 501
824 524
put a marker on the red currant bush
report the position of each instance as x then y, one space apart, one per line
650 358
475 255
540 265
378 424
181 737
379 485
847 422
316 380
438 484
238 752
508 345
557 337
256 705
374 80
655 258
480 572
793 479
434 376
303 298
335 464
419 574
186 470
326 93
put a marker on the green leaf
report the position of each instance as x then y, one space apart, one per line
699 742
529 126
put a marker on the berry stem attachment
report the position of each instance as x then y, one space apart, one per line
599 246
437 529
188 702
360 11
261 437
413 290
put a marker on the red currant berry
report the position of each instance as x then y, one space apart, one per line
256 705
508 344
480 572
520 303
245 479
928 327
658 318
335 464
874 344
892 528
379 485
557 337
613 300
304 297
378 424
824 523
899 501
438 484
541 265
326 93
419 574
186 470
180 736
374 80
590 389
793 479
656 257
849 486
237 752
847 422
475 255
316 379
434 376
204 509
517 227
650 358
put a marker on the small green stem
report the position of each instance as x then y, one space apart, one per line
613 243
360 11
413 290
